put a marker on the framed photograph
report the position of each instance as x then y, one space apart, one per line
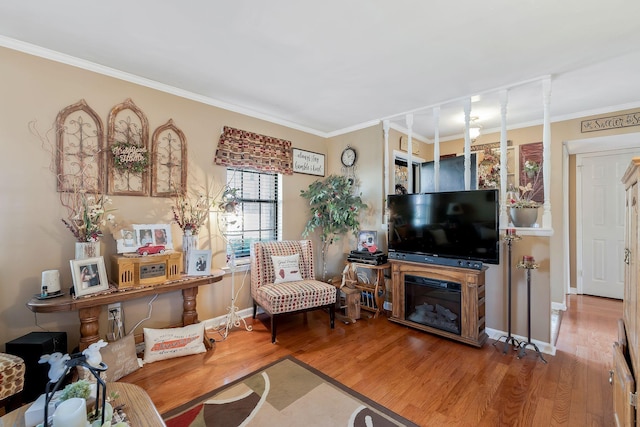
127 241
308 162
156 234
199 263
89 276
367 239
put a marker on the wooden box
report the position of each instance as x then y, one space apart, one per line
134 271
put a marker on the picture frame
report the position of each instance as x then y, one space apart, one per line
199 263
127 241
156 234
89 276
367 238
308 162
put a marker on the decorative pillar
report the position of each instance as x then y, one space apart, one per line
546 152
385 174
436 148
467 145
409 121
504 218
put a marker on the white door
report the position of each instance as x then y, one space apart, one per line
602 227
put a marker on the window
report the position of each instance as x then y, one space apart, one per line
258 210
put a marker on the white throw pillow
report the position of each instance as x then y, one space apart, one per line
160 344
286 268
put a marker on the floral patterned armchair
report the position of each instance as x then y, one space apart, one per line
276 293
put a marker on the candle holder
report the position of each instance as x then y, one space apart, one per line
528 263
509 238
78 359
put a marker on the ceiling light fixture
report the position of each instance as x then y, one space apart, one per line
474 129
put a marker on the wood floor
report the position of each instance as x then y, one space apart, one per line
427 379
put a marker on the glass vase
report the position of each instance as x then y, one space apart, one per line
86 250
189 244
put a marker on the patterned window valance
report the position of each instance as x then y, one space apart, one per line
242 149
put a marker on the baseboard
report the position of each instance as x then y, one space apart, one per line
545 347
558 306
216 322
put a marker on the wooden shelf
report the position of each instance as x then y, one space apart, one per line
377 289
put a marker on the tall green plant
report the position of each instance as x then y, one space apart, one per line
334 211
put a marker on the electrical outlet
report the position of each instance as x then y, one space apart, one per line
115 312
115 317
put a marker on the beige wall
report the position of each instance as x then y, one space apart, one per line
34 239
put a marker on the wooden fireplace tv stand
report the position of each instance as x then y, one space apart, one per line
472 298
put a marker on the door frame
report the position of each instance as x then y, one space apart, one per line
600 144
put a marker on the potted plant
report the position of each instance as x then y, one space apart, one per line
523 211
334 211
531 168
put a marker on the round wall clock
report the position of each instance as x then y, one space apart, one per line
348 157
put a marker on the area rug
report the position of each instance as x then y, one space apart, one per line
285 393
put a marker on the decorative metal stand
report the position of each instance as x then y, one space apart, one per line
233 318
510 237
528 265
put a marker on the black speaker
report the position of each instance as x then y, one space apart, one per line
30 347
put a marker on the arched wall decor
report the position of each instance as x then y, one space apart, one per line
168 161
127 125
79 149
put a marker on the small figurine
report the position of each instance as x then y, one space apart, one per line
92 353
57 362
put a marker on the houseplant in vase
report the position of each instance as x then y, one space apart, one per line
531 168
334 211
88 215
523 211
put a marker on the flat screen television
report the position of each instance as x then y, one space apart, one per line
461 225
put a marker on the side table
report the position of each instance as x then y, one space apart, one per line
377 289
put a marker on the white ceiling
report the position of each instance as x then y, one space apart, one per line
337 65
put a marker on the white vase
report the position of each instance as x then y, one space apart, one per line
523 217
86 250
189 243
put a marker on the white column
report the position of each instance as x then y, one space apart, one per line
409 121
467 145
385 128
504 217
546 152
436 148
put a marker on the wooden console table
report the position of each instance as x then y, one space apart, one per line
139 408
89 307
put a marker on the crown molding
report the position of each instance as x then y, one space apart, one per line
152 84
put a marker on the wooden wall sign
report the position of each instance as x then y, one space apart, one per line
613 122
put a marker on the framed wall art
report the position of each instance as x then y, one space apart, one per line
89 276
199 263
308 162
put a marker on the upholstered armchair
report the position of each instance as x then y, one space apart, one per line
283 281
12 369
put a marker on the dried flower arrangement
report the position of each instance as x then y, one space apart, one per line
527 194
